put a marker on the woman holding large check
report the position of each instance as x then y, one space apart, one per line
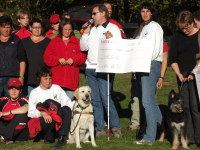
149 29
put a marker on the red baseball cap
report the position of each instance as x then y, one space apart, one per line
14 83
54 18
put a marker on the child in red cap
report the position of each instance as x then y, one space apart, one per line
54 21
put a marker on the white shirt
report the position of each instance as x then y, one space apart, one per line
38 94
90 42
154 32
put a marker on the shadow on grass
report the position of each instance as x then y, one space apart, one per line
123 113
126 113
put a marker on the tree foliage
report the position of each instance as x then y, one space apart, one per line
167 10
124 10
37 8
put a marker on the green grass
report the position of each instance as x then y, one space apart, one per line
122 98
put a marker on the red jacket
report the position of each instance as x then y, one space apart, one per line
22 32
50 34
119 26
66 76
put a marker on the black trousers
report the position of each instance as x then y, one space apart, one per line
49 128
15 129
188 90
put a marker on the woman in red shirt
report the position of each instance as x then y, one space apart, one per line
64 57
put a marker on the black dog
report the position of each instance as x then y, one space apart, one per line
176 120
51 105
48 105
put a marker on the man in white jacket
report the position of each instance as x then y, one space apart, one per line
98 81
47 90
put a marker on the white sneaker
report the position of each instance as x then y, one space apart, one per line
143 142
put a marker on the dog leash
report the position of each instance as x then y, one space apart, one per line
182 83
180 88
77 122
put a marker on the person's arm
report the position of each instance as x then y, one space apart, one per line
163 65
50 57
47 118
173 56
32 111
22 66
157 36
21 110
163 70
21 55
113 33
78 57
84 46
176 69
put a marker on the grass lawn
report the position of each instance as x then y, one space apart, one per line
122 98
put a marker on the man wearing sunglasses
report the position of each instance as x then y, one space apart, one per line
103 29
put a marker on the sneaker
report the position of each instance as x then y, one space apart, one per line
2 140
61 142
143 142
133 127
100 133
116 132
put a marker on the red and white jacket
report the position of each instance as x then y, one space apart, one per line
22 32
6 104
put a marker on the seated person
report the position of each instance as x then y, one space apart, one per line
45 91
13 114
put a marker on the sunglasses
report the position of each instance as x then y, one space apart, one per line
94 13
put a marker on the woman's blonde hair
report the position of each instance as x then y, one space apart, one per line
21 13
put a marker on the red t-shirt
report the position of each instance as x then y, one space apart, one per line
165 47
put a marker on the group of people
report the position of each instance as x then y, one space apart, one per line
45 66
183 58
48 66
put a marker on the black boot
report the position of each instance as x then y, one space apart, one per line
61 141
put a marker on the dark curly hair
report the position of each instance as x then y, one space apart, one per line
43 72
149 6
5 20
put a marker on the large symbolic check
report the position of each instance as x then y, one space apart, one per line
123 56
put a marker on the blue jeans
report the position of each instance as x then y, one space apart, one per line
30 88
69 93
98 84
4 86
152 111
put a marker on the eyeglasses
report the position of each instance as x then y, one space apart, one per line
36 28
94 13
67 30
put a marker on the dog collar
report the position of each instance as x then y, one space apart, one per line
78 106
77 112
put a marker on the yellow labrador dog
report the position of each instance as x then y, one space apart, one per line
82 123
